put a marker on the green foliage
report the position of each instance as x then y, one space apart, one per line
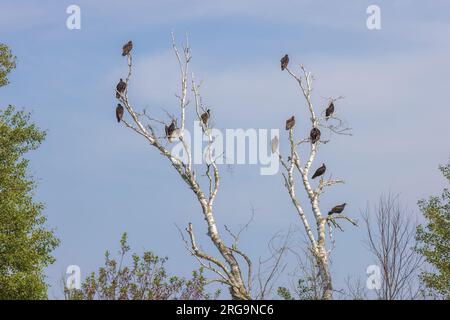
304 291
145 279
25 243
7 63
434 240
284 293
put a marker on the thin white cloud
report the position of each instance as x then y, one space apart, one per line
16 15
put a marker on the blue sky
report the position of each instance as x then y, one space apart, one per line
99 179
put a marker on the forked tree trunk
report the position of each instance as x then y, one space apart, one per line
237 288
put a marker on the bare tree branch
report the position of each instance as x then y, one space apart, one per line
391 240
266 278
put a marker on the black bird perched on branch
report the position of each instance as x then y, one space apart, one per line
119 112
169 130
330 110
126 49
284 62
290 123
320 171
337 209
205 117
121 86
314 135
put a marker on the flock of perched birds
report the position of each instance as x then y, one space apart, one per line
122 86
314 134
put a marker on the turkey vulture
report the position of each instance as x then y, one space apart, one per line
290 123
121 86
126 49
205 117
329 111
337 209
314 135
274 144
320 171
284 62
119 112
170 129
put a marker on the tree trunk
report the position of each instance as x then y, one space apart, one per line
322 261
326 281
239 292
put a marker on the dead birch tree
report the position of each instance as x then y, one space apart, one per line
296 165
159 133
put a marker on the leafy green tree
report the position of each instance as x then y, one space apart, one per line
434 240
25 243
7 63
144 279
304 291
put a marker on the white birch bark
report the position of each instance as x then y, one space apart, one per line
317 241
228 270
